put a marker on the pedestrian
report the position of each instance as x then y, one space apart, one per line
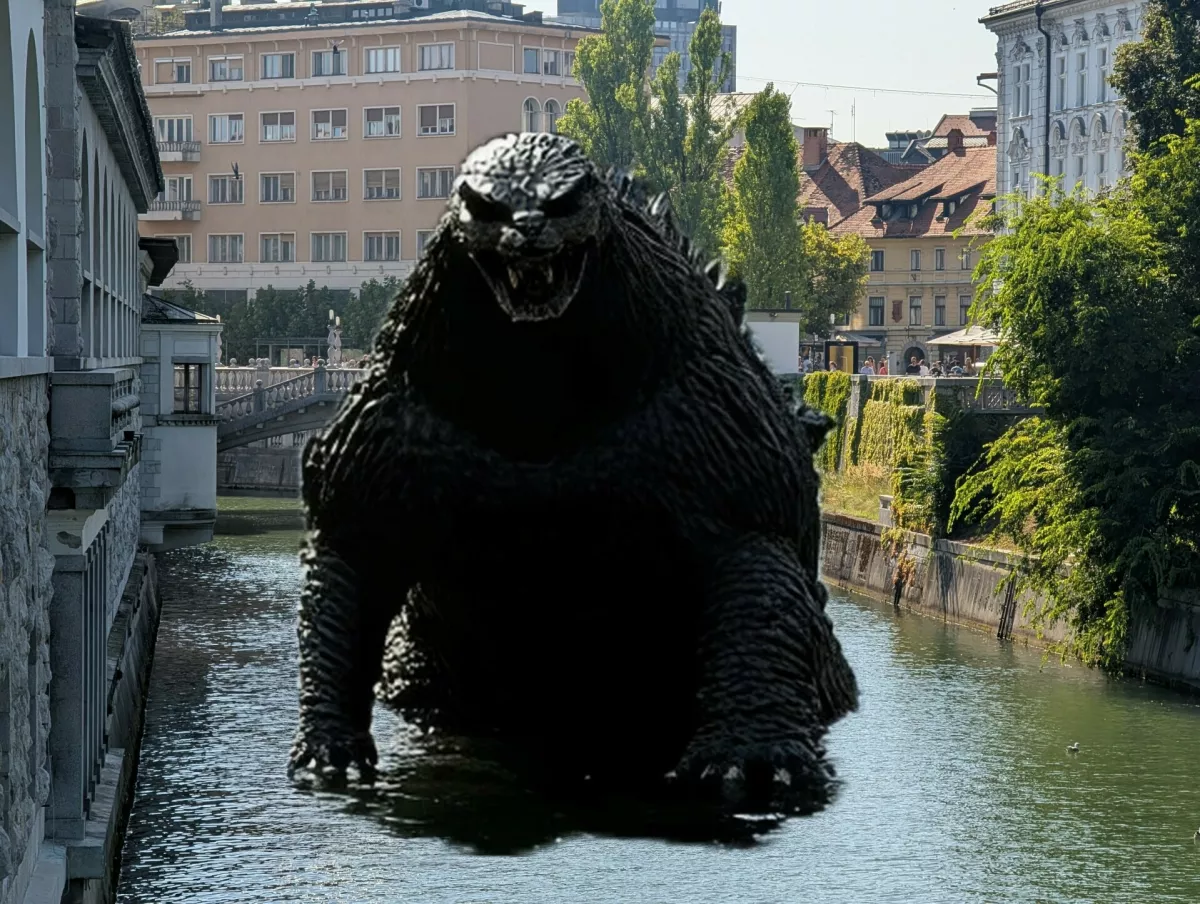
883 367
924 368
913 369
868 367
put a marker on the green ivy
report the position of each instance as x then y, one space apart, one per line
829 392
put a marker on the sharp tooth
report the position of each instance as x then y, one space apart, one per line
514 277
550 273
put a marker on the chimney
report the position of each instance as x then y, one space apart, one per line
214 14
816 148
954 141
992 138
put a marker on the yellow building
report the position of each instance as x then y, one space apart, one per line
922 224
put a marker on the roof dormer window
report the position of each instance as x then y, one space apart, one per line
885 211
912 211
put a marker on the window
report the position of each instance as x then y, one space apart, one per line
875 311
436 56
328 62
556 62
914 259
224 249
225 128
939 310
328 246
914 310
1081 80
1059 166
381 122
965 259
176 188
876 261
533 64
167 72
278 65
1102 171
532 121
434 183
383 59
278 248
1020 90
381 246
1102 86
423 237
225 69
276 188
379 184
189 388
173 128
1080 168
184 245
1025 109
224 190
329 186
1060 91
436 119
278 126
552 113
327 124
939 258
964 310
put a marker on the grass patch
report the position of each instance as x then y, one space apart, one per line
856 491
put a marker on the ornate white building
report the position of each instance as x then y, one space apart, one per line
1058 114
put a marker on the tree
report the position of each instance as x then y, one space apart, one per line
762 234
685 146
366 310
612 66
1159 76
837 269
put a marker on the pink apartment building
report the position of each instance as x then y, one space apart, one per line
327 152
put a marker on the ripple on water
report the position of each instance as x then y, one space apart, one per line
958 787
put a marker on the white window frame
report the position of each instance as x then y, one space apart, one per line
939 259
439 133
345 247
262 66
262 128
177 236
384 169
428 234
872 308
914 257
180 179
531 110
916 304
226 59
226 235
175 62
312 122
312 186
399 121
241 183
212 116
341 55
429 169
264 175
547 126
279 238
421 67
525 48
385 233
177 117
390 49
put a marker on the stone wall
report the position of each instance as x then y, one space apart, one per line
124 519
26 568
270 470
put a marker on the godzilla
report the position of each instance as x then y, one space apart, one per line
570 511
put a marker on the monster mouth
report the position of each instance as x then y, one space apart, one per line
533 288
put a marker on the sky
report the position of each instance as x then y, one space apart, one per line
911 46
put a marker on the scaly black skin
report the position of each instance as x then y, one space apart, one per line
588 516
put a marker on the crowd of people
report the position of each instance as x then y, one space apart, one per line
916 367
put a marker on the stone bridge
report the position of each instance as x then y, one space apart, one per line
277 401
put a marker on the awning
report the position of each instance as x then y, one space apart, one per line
971 336
858 338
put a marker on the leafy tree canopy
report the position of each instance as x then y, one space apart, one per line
837 269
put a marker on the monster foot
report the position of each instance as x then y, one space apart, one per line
759 776
329 753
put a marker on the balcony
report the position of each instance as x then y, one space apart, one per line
172 209
179 151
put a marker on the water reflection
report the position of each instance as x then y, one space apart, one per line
958 786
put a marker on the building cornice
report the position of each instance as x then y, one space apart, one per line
108 71
1009 20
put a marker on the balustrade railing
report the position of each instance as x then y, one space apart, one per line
264 397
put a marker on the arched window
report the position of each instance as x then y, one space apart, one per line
533 116
552 113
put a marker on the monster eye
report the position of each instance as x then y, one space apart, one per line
565 204
484 209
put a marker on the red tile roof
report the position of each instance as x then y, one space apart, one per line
848 176
962 122
967 176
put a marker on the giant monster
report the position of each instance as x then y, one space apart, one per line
570 510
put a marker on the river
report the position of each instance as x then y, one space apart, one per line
958 784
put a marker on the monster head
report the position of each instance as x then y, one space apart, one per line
529 211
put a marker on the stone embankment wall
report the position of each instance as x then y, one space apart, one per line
250 469
26 569
951 581
960 584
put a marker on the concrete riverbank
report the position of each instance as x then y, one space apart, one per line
961 585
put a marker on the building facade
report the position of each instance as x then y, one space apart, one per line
1058 114
326 152
675 20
